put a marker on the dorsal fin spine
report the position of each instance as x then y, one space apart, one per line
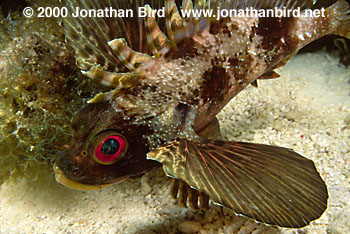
154 34
187 4
172 17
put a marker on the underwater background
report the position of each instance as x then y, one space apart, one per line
307 109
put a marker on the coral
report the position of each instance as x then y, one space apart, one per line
40 90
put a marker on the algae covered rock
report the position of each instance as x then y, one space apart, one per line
40 90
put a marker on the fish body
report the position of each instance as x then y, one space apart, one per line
171 77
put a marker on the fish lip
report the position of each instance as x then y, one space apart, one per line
71 184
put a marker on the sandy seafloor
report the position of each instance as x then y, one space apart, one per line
306 109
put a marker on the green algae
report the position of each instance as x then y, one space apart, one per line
40 90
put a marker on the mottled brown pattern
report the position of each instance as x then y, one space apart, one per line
272 30
215 85
239 66
185 48
221 26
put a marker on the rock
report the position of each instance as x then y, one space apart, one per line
190 227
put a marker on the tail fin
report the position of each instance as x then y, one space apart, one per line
341 11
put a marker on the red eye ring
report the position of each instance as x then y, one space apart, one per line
110 149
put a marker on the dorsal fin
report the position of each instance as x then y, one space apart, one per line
157 40
89 35
120 44
173 21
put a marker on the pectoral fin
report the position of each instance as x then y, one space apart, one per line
270 184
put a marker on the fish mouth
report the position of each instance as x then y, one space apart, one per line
64 180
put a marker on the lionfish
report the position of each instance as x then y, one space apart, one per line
170 76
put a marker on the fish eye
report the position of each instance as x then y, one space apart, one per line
110 150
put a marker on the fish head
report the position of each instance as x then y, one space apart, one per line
104 149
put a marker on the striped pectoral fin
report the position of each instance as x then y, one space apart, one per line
117 80
270 184
113 79
89 35
129 58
